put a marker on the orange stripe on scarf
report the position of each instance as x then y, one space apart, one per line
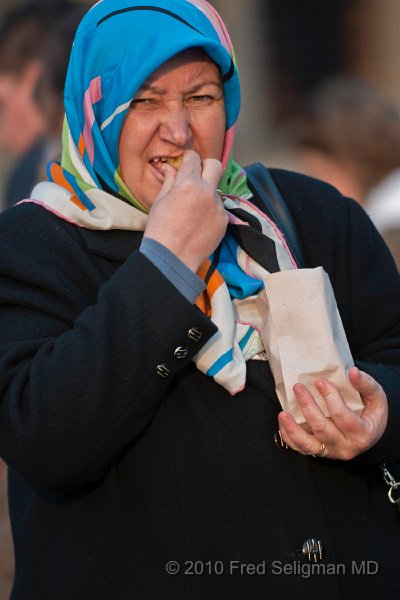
58 177
81 145
203 302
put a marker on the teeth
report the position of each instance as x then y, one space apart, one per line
173 161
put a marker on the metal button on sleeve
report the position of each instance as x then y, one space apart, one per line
194 334
181 352
313 550
163 371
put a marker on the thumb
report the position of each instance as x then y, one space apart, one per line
366 385
169 178
212 171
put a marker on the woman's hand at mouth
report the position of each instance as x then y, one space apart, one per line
187 216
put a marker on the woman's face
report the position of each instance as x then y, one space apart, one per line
181 106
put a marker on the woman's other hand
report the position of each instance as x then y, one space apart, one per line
187 216
346 434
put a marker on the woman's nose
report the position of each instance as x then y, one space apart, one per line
175 127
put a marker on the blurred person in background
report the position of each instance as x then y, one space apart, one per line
347 133
35 44
49 93
383 206
23 124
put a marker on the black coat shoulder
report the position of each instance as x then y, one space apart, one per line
335 230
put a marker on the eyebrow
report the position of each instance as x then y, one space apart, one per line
161 91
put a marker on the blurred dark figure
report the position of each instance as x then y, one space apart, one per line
49 93
35 43
23 124
348 134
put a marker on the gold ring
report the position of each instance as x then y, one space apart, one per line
320 451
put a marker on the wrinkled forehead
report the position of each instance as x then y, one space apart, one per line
202 66
190 55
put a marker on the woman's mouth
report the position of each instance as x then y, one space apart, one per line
174 161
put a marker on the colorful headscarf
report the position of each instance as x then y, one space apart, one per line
118 45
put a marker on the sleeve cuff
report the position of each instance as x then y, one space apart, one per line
185 281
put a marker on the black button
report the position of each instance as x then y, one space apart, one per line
195 334
181 352
163 371
313 550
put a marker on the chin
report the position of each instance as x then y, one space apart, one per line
148 200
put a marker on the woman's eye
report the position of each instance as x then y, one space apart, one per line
140 102
200 99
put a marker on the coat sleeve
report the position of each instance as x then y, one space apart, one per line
375 308
78 363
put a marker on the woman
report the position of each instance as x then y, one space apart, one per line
137 427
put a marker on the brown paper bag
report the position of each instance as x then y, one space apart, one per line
304 337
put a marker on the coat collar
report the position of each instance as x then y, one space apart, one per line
115 244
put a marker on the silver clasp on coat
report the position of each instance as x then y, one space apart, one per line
393 485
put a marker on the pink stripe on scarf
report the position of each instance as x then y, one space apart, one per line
235 220
250 325
228 144
216 21
277 230
92 95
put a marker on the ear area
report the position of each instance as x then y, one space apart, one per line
31 74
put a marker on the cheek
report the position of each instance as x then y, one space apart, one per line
134 141
128 154
10 121
217 132
221 136
209 132
9 107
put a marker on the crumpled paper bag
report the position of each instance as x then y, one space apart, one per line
304 338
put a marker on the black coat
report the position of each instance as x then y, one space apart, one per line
115 471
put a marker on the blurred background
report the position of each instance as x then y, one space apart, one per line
320 95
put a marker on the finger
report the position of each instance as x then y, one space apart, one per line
285 435
191 164
313 415
169 178
375 414
212 171
370 390
345 419
323 428
296 437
